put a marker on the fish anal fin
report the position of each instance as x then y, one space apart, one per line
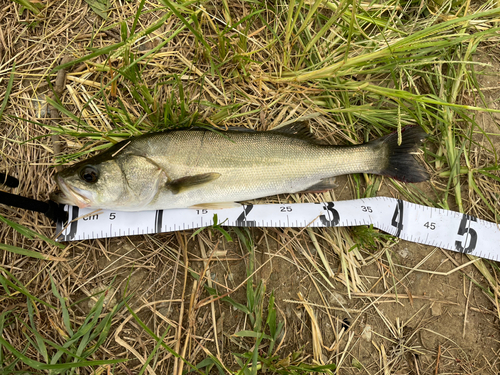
190 182
322 186
215 206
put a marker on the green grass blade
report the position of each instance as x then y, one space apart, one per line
40 345
7 91
65 366
153 352
252 334
30 6
25 252
157 339
198 36
137 15
100 7
28 233
99 52
19 287
64 309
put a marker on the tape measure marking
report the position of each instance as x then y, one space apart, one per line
412 222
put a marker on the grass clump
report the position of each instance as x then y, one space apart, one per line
266 335
75 344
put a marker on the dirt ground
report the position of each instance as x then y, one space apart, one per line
422 312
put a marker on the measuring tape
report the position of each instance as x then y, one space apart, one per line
412 222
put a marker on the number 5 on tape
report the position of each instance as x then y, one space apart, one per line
469 235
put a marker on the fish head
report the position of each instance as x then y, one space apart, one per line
91 184
128 181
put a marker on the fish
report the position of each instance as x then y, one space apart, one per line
209 168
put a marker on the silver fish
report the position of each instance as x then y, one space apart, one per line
203 168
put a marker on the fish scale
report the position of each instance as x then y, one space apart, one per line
279 164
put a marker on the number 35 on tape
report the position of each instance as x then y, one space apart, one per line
412 222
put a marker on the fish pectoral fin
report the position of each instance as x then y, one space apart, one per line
215 206
322 186
190 182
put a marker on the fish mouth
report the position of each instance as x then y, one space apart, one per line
69 195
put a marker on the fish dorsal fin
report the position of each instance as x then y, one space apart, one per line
299 129
189 182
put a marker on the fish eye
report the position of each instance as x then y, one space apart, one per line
89 174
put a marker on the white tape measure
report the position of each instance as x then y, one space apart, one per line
412 222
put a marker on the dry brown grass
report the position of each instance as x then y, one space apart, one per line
398 308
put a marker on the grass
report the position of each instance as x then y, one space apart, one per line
78 343
356 70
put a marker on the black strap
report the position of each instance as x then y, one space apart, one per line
9 180
54 211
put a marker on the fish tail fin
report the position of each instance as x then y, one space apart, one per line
401 163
